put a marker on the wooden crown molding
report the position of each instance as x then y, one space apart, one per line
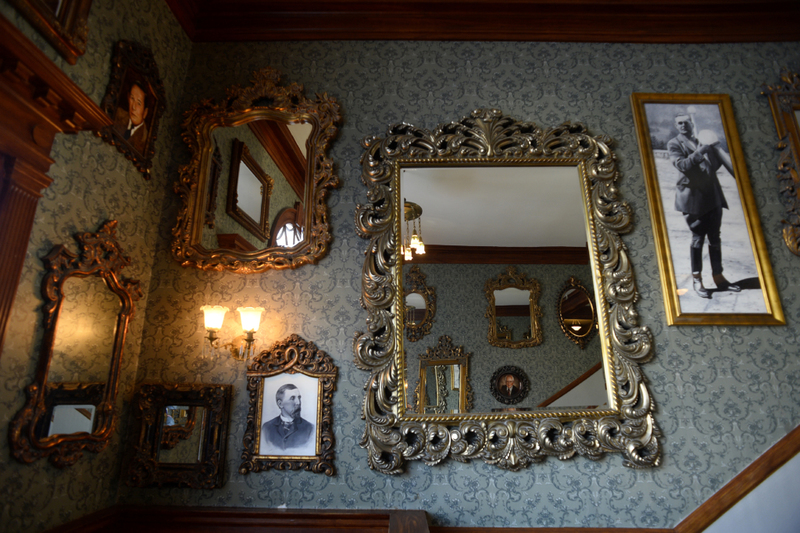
497 255
660 21
37 101
278 142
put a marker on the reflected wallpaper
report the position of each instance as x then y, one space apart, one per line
724 395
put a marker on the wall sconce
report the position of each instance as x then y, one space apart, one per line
242 346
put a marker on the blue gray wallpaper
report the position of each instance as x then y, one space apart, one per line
723 394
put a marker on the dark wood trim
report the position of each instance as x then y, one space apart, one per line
496 255
234 241
583 377
281 146
37 101
660 21
162 519
512 310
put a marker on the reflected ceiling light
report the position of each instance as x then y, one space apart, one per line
242 346
412 213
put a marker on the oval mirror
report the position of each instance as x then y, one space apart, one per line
575 312
420 304
273 169
543 201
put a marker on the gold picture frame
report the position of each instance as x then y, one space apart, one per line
678 168
293 370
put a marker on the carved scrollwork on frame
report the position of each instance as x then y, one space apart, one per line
784 100
205 468
415 284
515 440
499 334
30 434
294 380
264 106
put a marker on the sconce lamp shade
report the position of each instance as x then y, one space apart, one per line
214 315
251 317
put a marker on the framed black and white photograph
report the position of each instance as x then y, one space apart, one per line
290 419
711 252
509 385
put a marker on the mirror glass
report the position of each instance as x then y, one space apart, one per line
441 389
68 419
513 225
577 311
181 434
85 332
274 165
415 308
512 314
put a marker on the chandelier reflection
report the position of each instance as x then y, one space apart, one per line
412 213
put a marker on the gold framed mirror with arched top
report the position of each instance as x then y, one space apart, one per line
513 310
420 305
287 136
71 406
455 172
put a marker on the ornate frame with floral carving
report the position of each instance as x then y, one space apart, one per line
100 255
496 388
784 101
149 406
574 283
515 440
415 282
66 30
511 279
264 99
133 63
446 353
240 154
293 355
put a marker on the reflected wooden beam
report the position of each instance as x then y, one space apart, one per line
495 255
37 101
280 145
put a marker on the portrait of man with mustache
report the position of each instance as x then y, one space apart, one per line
288 430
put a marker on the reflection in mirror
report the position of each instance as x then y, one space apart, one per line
275 213
575 312
420 304
443 386
68 419
543 201
181 435
513 311
88 306
85 333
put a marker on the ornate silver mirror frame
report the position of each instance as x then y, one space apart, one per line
509 440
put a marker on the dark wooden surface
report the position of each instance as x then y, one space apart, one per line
656 21
496 255
37 101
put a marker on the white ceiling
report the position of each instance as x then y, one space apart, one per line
522 206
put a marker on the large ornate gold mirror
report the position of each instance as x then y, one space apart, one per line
71 405
545 202
274 140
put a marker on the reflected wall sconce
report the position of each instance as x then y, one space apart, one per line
242 346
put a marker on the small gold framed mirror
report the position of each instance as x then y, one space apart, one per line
576 314
513 310
419 305
444 386
284 169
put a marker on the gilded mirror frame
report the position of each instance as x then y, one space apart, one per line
240 155
445 353
511 279
264 99
416 284
574 283
102 256
511 440
784 101
149 404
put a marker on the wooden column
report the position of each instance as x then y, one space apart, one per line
37 101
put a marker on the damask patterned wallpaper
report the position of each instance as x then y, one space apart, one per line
723 394
92 182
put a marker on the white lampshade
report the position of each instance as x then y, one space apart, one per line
214 315
420 249
414 240
251 317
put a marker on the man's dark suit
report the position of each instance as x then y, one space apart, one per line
698 188
137 140
277 433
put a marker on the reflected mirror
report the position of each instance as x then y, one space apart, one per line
493 190
182 436
274 141
444 386
575 312
88 306
420 305
513 310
